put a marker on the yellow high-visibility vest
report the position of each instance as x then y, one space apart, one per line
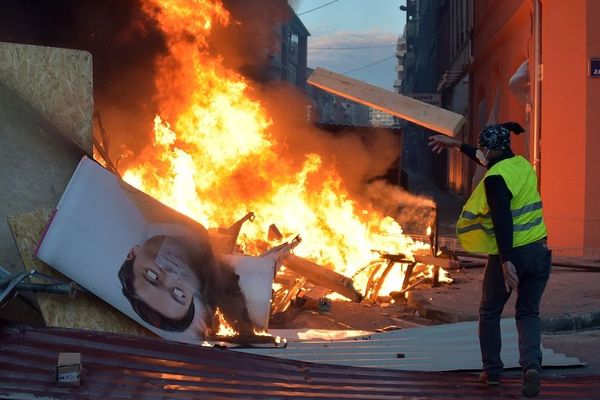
475 229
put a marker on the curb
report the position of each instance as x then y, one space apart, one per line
557 323
571 322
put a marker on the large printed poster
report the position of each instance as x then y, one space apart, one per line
153 264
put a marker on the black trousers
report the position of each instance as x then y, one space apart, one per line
532 262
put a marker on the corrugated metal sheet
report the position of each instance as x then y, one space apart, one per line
450 347
126 367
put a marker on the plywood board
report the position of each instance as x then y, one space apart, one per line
85 311
57 83
432 117
36 163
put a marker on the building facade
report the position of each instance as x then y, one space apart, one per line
382 119
418 76
454 56
329 109
289 64
529 61
532 63
400 56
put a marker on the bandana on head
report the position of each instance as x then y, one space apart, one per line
494 137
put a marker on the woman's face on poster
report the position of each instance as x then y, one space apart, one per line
163 276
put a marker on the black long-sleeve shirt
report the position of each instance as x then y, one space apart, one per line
498 198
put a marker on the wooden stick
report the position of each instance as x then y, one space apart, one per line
322 276
407 275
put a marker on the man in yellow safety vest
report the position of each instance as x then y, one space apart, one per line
503 218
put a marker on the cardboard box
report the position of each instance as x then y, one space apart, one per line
68 369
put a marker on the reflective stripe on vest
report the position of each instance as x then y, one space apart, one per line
490 231
475 229
515 213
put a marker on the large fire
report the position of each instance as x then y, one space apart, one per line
214 157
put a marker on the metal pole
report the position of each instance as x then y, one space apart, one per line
436 237
58 288
537 88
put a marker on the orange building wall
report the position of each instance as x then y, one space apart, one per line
564 122
501 42
592 181
570 106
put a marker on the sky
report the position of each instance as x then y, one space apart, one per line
354 23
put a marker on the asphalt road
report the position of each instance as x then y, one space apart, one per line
584 345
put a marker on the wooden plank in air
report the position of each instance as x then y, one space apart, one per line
432 117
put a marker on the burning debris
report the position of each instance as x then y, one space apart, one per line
301 283
219 149
214 140
178 280
218 152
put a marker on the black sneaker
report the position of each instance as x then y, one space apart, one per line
531 383
490 380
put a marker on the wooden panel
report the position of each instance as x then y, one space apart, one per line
57 83
432 117
36 163
85 311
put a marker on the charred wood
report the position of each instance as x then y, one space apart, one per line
322 276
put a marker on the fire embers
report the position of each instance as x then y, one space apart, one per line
301 284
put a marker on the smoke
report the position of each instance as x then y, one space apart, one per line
413 213
358 156
125 45
254 35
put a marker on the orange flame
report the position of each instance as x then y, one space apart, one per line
216 158
224 328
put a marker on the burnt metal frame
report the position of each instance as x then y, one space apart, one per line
374 284
10 284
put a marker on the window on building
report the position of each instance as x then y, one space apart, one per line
294 48
292 74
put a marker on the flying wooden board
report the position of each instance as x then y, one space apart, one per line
432 117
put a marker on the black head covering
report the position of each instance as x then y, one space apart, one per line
497 136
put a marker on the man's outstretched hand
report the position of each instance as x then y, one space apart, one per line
439 142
